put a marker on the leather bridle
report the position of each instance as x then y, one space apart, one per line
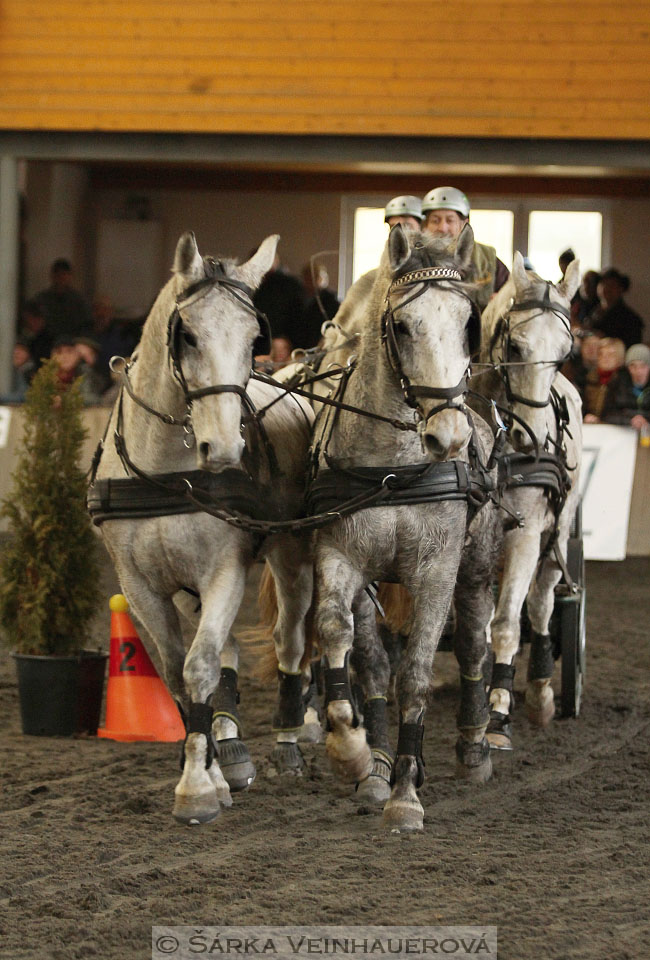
412 392
505 330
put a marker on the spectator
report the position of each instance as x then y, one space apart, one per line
66 312
95 381
611 356
586 299
24 369
114 338
37 338
627 400
322 304
405 210
583 359
282 298
614 318
446 212
68 358
564 260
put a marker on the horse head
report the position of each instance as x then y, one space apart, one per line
532 340
211 342
430 333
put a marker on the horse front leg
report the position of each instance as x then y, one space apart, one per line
202 787
521 554
338 582
474 606
403 811
291 563
540 703
372 667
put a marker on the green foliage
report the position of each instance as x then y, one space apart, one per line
49 569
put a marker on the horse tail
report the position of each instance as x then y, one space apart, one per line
266 665
397 605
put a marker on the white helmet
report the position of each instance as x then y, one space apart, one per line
446 198
403 207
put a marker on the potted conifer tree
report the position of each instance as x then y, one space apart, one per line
49 569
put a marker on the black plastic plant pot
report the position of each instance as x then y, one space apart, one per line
60 696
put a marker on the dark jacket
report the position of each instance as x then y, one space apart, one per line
620 321
621 403
282 298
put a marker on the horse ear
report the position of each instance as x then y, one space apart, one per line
398 247
261 262
464 248
571 282
519 275
187 259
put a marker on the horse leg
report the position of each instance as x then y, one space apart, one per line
293 574
540 705
403 811
372 667
474 605
234 757
521 553
202 786
338 582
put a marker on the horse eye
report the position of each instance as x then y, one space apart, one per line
402 329
189 338
514 350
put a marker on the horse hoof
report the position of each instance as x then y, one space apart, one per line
540 714
473 761
403 816
350 756
375 789
236 764
310 733
499 731
287 759
193 811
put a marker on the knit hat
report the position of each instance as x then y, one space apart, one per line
638 353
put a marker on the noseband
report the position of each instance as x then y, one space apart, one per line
412 392
543 306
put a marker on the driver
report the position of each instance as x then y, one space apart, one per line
404 210
446 212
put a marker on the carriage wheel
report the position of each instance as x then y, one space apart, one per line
572 629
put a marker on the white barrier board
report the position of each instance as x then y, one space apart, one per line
5 421
606 479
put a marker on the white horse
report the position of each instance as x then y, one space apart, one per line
188 388
413 356
526 333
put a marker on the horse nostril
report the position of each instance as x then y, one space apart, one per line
204 451
433 446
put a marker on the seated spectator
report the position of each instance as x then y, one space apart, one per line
627 399
282 298
68 358
611 357
66 312
614 318
23 369
583 359
322 305
586 299
115 338
37 337
94 379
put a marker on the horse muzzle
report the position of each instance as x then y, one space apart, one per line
446 435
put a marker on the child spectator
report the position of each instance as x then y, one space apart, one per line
68 357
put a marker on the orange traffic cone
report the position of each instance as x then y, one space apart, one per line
138 704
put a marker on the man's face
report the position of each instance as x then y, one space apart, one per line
639 372
409 222
444 223
608 357
61 280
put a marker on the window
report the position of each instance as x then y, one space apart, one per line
550 232
496 228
